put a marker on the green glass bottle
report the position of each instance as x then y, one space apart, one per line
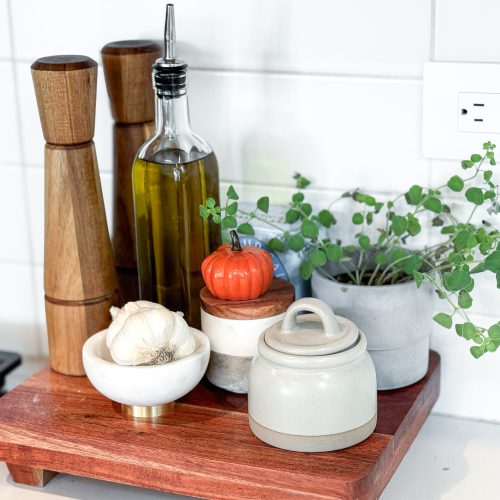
173 173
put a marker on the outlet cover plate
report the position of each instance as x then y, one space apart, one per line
445 86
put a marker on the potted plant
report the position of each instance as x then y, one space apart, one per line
381 282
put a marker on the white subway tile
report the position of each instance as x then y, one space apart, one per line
469 386
5 46
467 31
342 132
33 141
17 309
388 37
35 187
14 246
9 129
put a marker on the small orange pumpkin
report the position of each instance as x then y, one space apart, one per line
234 272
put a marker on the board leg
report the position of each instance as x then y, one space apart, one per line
31 476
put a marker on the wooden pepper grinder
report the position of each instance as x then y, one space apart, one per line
127 69
79 270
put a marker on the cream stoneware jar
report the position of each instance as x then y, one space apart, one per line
312 385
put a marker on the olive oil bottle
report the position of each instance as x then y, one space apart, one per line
173 173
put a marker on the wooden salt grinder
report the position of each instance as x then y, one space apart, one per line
79 270
127 69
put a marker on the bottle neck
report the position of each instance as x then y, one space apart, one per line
172 115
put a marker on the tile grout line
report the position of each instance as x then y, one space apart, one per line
432 55
25 179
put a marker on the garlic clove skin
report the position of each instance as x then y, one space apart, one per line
120 316
147 333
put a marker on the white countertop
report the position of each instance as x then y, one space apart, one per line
450 459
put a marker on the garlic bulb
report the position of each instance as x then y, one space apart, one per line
143 332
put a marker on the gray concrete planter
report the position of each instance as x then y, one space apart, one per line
396 319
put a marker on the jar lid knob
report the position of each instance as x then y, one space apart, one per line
324 312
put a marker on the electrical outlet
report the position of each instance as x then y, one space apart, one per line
461 108
479 113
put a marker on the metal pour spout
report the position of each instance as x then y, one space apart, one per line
169 34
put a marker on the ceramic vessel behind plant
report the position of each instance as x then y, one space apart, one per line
396 319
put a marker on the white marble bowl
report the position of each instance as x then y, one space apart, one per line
145 385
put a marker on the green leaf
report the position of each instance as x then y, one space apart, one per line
309 229
306 269
492 262
307 209
298 197
477 351
476 158
364 241
487 174
456 183
419 278
414 195
292 216
433 204
276 245
245 228
229 221
491 346
217 218
380 258
295 242
498 280
317 257
263 204
302 182
459 329
210 203
398 254
399 225
460 241
458 279
467 164
494 332
468 330
369 218
490 195
478 269
464 299
448 230
232 209
475 195
325 218
357 218
443 319
204 212
414 263
334 252
231 193
413 225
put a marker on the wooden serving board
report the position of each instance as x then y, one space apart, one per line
204 448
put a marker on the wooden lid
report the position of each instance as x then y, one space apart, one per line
275 301
127 69
65 88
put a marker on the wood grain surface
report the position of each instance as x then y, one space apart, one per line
79 270
65 88
204 447
127 68
275 301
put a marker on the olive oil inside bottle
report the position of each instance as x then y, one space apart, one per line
172 238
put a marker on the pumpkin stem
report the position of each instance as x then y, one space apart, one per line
236 245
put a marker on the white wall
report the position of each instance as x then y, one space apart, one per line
329 88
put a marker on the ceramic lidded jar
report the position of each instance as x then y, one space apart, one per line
312 385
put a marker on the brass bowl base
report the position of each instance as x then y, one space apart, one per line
145 413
